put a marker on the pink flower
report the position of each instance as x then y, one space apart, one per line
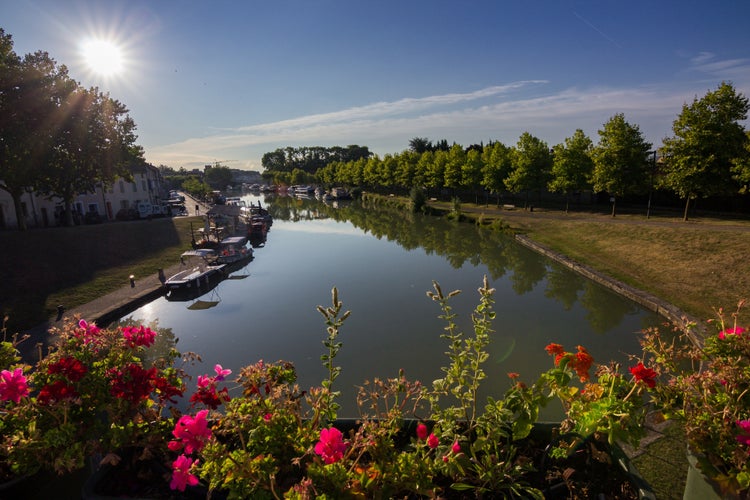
221 372
90 331
267 417
744 436
422 432
192 432
204 381
181 476
331 446
433 441
731 331
139 335
456 448
13 385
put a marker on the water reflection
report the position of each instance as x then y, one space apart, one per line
382 264
461 243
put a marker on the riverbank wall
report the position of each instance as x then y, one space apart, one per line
668 311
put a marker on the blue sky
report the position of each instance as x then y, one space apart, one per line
232 80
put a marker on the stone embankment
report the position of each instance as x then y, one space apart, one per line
668 311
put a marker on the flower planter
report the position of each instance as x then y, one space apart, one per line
142 479
597 475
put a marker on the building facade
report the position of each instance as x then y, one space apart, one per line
146 189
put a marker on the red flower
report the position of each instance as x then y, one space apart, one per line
57 391
643 374
433 441
582 363
422 432
210 397
133 384
331 446
456 448
166 390
555 350
70 367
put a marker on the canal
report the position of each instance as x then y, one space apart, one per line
382 265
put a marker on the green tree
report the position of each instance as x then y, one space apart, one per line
420 145
453 167
93 143
471 172
621 159
219 177
196 188
30 92
742 167
435 177
572 165
532 163
705 155
406 169
497 163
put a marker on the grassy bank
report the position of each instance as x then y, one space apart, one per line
74 265
697 265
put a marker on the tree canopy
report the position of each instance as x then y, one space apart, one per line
620 159
311 158
709 148
57 137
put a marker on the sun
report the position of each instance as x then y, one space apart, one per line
103 57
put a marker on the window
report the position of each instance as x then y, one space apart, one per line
122 186
143 185
94 207
135 187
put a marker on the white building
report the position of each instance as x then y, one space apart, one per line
39 211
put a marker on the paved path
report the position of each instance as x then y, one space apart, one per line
107 308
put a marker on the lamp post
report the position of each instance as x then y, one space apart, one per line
651 182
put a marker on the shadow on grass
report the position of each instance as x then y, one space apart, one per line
41 262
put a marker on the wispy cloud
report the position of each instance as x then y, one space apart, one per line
723 69
497 112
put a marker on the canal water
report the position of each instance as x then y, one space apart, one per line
382 265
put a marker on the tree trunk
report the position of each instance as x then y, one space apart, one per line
687 205
614 201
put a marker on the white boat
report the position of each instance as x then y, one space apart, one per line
233 249
201 272
303 190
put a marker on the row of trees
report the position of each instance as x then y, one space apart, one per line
56 137
310 159
708 155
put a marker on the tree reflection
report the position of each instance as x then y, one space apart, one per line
563 285
461 243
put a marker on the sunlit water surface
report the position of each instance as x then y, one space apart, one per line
382 266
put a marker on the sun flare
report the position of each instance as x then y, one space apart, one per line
103 57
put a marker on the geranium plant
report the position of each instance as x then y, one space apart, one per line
17 457
274 440
704 384
97 392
